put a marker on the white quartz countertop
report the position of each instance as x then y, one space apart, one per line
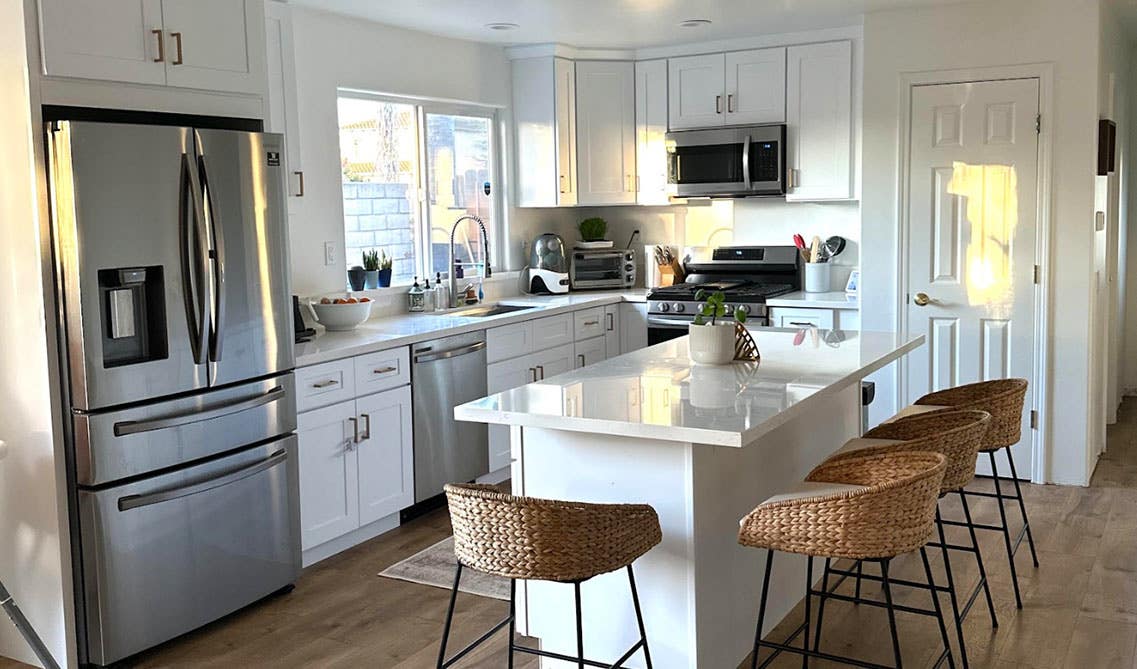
658 393
832 300
384 333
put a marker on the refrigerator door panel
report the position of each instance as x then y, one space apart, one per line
115 445
167 554
243 181
129 246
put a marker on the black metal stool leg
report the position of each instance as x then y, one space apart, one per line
979 559
860 570
821 605
449 616
1022 507
639 616
808 598
512 617
762 607
1006 531
579 628
891 613
955 614
936 606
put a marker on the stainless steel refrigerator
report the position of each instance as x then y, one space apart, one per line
172 267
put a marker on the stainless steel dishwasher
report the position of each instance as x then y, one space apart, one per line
448 372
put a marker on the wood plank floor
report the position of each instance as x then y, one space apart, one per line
1080 606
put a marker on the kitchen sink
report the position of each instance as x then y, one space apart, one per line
483 312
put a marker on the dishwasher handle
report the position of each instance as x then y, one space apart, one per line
428 356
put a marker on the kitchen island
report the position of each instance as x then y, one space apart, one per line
703 445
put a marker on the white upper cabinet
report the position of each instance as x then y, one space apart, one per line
819 118
696 88
281 115
605 131
544 115
756 86
215 45
115 40
651 128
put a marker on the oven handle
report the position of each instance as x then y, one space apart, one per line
135 501
674 323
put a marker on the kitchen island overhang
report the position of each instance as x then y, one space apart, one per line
704 446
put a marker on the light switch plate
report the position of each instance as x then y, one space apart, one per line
329 253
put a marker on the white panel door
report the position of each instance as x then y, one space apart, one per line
565 127
972 228
215 45
386 454
502 376
819 121
756 86
651 128
696 86
606 132
329 483
590 351
281 114
114 40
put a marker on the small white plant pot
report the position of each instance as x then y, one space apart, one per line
711 344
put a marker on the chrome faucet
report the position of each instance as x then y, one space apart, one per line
453 265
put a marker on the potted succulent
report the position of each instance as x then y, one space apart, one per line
371 266
713 342
386 263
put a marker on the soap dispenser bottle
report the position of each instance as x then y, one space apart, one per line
416 297
441 293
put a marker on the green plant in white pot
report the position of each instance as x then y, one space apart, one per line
713 342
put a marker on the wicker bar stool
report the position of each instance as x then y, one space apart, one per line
872 507
545 540
958 435
1003 399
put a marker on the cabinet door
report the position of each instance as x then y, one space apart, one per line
535 113
612 345
590 351
501 376
651 127
695 90
756 86
386 454
281 115
215 45
605 131
819 120
329 483
633 327
554 361
114 40
565 100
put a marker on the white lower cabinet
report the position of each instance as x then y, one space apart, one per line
633 327
590 351
356 464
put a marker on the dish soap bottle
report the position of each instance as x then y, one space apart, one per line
416 297
441 293
428 295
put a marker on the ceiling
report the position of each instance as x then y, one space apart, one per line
623 24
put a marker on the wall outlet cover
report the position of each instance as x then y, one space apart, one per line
329 253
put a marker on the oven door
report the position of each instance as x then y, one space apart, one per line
729 162
666 328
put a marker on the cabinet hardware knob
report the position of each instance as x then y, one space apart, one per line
178 46
157 32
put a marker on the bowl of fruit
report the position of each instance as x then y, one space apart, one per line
342 314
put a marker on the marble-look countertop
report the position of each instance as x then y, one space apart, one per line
658 393
383 333
831 300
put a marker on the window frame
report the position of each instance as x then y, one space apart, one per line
497 225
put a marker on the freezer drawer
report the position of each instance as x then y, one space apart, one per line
117 444
167 554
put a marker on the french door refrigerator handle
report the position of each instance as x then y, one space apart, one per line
129 427
194 284
217 258
134 501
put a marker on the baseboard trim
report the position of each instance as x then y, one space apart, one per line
349 540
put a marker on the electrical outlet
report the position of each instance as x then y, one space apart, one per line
329 253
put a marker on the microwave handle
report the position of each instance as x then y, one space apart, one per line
746 161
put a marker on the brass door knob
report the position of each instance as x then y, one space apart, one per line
921 299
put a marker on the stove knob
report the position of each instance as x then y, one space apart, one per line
745 308
664 307
729 309
700 306
679 308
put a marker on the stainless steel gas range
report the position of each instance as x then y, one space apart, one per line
747 275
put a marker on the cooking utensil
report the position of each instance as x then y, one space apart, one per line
834 246
799 241
815 249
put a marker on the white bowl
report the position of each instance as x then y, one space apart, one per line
342 317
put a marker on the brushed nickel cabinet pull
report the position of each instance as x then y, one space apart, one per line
157 32
385 370
366 425
178 46
533 371
718 104
541 369
730 103
354 431
580 357
300 175
611 322
325 384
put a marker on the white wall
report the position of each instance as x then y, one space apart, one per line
983 34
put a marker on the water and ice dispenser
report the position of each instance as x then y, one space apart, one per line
134 315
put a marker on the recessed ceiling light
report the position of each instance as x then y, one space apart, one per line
694 23
502 26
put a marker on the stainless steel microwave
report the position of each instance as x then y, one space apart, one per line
593 269
748 161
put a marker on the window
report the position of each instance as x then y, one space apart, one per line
411 169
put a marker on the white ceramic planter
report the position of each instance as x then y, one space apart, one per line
711 344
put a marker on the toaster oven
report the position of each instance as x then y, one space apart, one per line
595 269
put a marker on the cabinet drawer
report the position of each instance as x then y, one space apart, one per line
321 385
509 341
588 323
552 331
789 317
383 370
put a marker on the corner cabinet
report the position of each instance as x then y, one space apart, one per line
819 119
544 115
651 132
605 132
